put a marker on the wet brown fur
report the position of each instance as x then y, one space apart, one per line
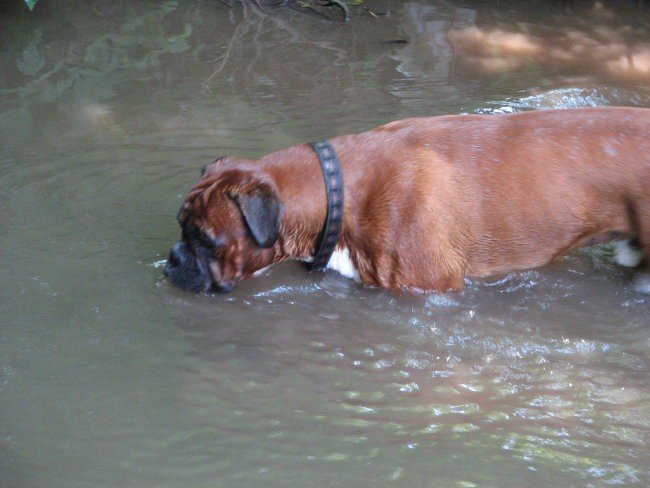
430 201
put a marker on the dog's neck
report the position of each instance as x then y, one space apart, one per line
303 194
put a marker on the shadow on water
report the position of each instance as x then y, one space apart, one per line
111 377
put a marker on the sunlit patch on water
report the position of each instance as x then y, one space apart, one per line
288 291
444 300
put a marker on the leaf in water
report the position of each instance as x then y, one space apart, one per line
32 61
53 92
178 44
98 53
31 4
169 6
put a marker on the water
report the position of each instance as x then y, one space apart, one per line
110 377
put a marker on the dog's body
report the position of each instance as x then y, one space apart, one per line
428 201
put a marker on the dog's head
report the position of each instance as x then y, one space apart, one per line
230 222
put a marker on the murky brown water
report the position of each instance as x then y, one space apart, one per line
110 377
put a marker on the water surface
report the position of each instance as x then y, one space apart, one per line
110 377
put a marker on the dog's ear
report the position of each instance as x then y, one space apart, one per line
262 211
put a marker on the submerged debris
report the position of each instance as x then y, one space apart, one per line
321 8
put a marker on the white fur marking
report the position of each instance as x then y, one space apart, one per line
341 262
627 255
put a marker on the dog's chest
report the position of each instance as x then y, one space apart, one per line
341 262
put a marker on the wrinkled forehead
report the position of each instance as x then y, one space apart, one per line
207 207
189 208
209 196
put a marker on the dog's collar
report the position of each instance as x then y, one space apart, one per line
334 188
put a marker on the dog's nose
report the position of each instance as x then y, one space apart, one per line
176 258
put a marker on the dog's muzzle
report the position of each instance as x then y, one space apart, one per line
190 273
184 270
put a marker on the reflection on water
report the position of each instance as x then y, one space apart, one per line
519 368
111 377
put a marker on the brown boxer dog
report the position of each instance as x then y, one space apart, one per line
428 201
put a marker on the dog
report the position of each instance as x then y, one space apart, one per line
428 202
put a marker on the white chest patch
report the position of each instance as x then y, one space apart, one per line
627 255
341 262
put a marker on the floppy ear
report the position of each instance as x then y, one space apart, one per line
262 210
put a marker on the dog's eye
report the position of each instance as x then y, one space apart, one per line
202 243
212 245
206 242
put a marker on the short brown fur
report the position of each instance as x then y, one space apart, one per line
430 201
